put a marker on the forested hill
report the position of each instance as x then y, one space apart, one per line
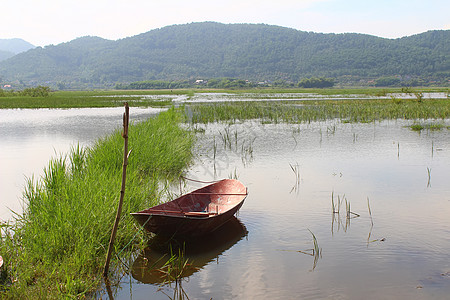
246 51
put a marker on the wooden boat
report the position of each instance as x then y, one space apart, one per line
197 213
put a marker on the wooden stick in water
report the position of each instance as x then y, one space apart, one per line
126 118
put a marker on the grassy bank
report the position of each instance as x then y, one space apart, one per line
56 249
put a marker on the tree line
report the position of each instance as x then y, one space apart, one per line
39 91
225 83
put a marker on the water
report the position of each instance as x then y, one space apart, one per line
399 251
240 97
29 138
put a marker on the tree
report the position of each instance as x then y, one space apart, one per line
388 81
314 82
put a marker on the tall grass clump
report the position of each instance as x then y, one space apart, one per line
56 249
418 127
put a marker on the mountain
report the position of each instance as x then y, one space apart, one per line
5 55
11 47
246 51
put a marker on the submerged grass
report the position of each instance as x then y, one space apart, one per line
56 249
308 111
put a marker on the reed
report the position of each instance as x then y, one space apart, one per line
226 138
331 129
317 251
232 141
307 111
336 213
371 222
335 207
174 268
296 170
419 96
370 211
214 149
371 227
56 248
234 174
247 151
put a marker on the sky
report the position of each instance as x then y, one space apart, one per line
45 22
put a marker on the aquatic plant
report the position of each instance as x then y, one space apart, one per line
417 127
336 212
426 126
317 251
419 96
370 211
174 268
296 170
226 138
396 100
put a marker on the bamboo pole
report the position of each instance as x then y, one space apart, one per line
126 118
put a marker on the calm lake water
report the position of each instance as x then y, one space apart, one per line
399 249
29 138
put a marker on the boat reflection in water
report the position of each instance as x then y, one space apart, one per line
151 264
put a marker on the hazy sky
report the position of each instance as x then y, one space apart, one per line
44 22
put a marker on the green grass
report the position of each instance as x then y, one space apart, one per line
81 99
56 249
115 98
307 111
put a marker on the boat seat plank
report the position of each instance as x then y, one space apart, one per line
199 213
231 194
189 213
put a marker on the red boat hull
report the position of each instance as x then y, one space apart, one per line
197 213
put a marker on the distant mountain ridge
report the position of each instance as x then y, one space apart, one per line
246 51
5 55
11 47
